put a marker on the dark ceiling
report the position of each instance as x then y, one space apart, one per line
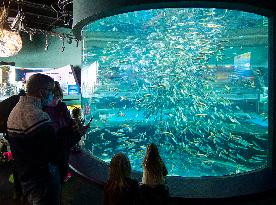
41 14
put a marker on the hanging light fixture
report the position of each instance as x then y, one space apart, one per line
10 43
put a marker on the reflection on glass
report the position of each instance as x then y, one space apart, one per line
7 81
193 81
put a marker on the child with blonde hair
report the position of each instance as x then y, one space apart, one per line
153 189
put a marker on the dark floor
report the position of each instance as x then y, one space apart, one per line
78 191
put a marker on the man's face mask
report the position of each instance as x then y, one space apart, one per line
54 102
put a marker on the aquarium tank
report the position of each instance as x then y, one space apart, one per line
194 81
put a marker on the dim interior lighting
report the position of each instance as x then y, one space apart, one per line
10 43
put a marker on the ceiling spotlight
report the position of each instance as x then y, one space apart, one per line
17 24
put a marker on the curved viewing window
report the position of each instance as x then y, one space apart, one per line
193 81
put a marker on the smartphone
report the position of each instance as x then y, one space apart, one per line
89 121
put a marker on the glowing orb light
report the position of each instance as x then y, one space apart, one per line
10 43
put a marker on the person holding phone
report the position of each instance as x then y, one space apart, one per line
88 124
76 116
68 131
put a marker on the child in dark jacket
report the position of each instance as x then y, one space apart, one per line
153 189
120 188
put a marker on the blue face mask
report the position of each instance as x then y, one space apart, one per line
47 101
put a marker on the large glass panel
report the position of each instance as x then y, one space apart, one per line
193 81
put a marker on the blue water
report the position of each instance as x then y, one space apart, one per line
189 80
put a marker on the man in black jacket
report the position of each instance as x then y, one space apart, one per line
34 144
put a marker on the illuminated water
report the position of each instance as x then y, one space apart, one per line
193 81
